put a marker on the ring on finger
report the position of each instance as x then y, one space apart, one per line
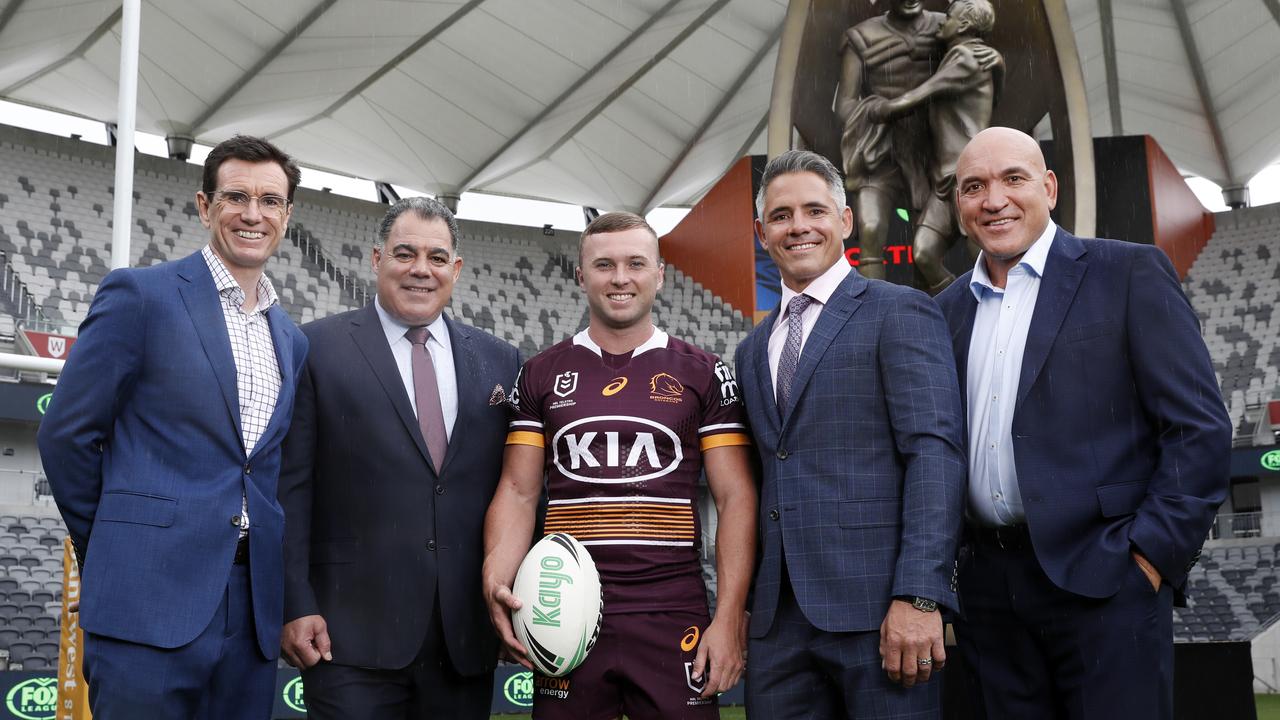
924 662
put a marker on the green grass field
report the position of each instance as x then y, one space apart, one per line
1268 706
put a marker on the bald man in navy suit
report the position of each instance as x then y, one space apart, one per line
1098 451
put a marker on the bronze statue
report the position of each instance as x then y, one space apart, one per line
885 56
960 97
890 151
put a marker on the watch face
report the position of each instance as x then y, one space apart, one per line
924 604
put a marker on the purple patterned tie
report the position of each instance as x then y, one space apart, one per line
791 350
426 394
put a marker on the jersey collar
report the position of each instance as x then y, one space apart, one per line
656 341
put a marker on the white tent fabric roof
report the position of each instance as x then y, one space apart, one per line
615 104
608 103
1201 76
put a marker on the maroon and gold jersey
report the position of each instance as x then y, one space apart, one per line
624 437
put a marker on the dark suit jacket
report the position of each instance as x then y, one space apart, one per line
142 447
1120 435
374 535
863 480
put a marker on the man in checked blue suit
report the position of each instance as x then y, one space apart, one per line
162 446
1099 451
853 401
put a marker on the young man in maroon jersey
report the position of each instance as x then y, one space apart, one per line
622 418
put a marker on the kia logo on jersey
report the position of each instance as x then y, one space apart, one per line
614 449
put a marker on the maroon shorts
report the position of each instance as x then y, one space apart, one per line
641 666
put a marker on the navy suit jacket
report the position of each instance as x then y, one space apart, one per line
375 535
1120 436
862 483
143 450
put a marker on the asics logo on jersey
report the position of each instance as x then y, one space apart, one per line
612 449
614 387
690 639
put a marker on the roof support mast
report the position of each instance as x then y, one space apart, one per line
126 110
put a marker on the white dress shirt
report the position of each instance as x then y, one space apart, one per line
999 338
254 353
441 348
820 291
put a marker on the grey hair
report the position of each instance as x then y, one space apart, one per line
425 208
796 161
978 13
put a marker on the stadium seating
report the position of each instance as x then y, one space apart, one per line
1233 593
31 588
1234 286
55 233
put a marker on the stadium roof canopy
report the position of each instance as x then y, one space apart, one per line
608 103
1201 76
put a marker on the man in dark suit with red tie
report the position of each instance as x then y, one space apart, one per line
385 492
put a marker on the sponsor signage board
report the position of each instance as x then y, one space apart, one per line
48 345
32 695
24 401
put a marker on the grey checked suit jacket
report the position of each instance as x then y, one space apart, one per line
863 482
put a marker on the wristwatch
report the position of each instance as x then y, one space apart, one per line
919 603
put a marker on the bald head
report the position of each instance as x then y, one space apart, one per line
1004 141
1004 195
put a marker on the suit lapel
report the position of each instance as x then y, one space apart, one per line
371 342
471 395
961 338
839 308
279 323
1063 271
760 367
202 302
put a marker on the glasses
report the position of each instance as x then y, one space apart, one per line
239 201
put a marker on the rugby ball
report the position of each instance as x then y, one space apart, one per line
559 619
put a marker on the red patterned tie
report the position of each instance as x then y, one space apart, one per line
426 393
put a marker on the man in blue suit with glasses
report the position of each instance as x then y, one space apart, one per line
162 446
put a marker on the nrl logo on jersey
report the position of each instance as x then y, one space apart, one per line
566 383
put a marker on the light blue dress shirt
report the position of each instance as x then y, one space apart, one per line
995 367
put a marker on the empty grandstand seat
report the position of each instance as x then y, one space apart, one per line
20 650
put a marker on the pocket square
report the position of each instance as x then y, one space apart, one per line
498 396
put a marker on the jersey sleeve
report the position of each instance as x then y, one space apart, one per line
525 426
723 422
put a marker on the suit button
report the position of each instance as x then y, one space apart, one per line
773 514
431 545
248 470
782 453
235 520
439 489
